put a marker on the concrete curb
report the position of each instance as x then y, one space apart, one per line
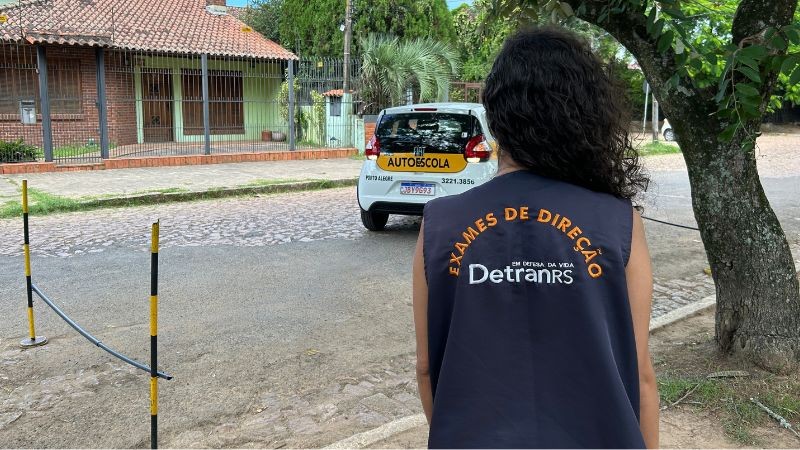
683 312
385 431
169 197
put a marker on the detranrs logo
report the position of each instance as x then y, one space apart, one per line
478 274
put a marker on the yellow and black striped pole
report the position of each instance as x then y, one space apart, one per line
32 340
154 337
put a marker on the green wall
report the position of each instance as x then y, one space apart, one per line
260 87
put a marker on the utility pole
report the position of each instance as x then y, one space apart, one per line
346 138
348 36
655 102
646 102
655 118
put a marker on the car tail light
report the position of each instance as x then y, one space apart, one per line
477 149
373 148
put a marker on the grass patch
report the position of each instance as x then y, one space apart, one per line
41 203
173 190
266 182
740 417
309 143
729 400
658 148
75 150
737 432
788 405
738 414
69 151
32 153
324 184
358 157
672 389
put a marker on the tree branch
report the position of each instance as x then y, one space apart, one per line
753 16
688 107
630 29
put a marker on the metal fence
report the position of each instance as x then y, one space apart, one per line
81 104
465 91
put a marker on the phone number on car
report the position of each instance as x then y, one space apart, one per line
457 181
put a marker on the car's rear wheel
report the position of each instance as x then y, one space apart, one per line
669 135
373 220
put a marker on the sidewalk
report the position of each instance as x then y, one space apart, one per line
123 183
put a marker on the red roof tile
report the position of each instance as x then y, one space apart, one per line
176 26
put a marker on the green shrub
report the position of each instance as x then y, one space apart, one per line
17 151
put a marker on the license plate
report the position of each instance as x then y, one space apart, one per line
417 188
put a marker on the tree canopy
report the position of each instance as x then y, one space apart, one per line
264 16
312 27
390 66
481 35
479 38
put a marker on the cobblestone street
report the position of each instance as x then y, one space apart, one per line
250 222
246 222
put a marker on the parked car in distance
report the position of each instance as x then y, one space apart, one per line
420 152
666 131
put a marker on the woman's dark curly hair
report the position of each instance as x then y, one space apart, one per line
555 111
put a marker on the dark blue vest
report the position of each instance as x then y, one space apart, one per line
531 341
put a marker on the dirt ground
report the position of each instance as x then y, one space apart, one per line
686 349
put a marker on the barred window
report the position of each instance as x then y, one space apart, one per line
226 102
20 82
64 86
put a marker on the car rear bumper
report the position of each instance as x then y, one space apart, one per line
406 209
379 190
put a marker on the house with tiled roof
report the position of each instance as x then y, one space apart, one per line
151 67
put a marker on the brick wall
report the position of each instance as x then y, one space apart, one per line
75 129
121 98
369 130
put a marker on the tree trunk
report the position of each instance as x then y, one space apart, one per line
758 300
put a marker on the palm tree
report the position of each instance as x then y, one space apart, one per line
390 66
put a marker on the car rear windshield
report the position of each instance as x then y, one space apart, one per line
436 132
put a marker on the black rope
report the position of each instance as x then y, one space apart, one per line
672 224
93 339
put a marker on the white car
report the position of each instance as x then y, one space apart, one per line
420 152
666 130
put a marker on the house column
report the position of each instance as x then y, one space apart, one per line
102 105
206 111
290 80
44 104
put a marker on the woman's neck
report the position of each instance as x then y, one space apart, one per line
506 165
